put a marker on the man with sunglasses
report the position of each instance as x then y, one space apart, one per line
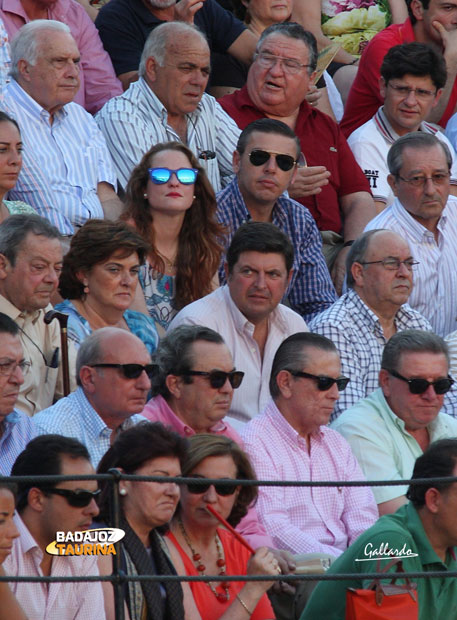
290 440
265 163
113 369
412 79
329 181
380 272
44 508
390 428
425 215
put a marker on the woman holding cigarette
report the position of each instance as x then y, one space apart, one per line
199 546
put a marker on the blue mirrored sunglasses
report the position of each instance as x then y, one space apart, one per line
186 176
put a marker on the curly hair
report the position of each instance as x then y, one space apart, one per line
95 242
202 446
199 247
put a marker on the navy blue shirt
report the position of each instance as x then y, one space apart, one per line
124 26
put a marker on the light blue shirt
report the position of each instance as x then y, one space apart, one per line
74 416
17 430
63 162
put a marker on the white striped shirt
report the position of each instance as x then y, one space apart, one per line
434 293
137 120
63 162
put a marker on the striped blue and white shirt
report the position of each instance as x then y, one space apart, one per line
311 290
63 162
137 120
17 429
434 293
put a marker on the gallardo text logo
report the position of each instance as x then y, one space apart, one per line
88 542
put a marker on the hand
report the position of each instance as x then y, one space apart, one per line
263 562
339 270
185 10
449 39
308 181
287 565
313 95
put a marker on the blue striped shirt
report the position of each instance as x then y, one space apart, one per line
137 120
311 290
17 430
434 293
63 162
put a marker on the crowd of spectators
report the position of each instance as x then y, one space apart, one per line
232 288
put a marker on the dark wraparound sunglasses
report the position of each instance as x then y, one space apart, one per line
221 489
186 176
130 371
217 378
257 157
77 499
419 386
323 383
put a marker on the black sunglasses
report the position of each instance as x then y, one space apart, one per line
217 378
323 383
257 157
221 489
77 499
419 386
130 371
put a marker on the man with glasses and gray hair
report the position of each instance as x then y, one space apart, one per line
330 183
380 270
393 426
425 215
113 370
265 163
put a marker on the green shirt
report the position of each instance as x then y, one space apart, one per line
437 597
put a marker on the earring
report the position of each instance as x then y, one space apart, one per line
122 491
86 287
194 196
145 195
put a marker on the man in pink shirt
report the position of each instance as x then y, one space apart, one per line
98 80
290 440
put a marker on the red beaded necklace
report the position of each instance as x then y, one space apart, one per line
197 560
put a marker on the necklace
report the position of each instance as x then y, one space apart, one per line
197 560
171 264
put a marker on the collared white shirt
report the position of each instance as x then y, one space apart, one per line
63 162
133 122
434 293
218 311
53 601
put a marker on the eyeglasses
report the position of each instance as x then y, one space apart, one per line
439 178
257 157
130 371
289 65
217 378
78 498
8 367
221 489
186 176
393 264
323 383
419 93
419 386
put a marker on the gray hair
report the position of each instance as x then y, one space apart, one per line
24 45
173 354
358 252
157 42
293 31
412 341
90 351
414 140
15 229
293 354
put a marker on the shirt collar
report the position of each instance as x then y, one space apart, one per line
8 308
157 106
241 322
425 550
415 228
177 424
389 133
283 426
32 107
26 540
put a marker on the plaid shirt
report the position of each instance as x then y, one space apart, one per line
358 336
311 290
17 429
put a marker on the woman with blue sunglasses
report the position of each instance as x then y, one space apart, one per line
172 205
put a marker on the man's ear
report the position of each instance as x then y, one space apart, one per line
392 181
35 499
384 381
86 376
5 266
417 9
382 87
151 69
433 499
236 162
173 383
283 381
357 273
23 68
226 270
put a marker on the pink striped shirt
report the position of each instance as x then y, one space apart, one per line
307 519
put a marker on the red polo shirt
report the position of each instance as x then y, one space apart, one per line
364 97
322 144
